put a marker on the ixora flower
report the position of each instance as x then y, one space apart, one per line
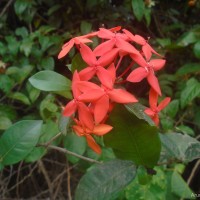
99 130
98 87
148 72
154 109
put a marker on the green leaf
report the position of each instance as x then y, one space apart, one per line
76 144
132 138
48 63
63 124
188 68
138 110
49 130
180 187
138 9
181 146
78 63
26 46
6 83
5 123
191 91
172 109
51 81
19 97
147 15
153 190
189 37
143 177
186 130
105 181
86 27
8 111
196 49
22 31
19 140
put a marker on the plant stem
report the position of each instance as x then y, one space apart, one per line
69 152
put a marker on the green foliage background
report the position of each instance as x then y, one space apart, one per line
31 35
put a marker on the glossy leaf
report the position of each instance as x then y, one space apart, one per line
105 181
19 97
132 138
196 49
76 144
19 140
138 110
63 124
188 68
50 81
191 91
152 190
138 9
180 187
186 149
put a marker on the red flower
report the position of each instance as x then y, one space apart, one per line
101 96
148 72
67 46
95 66
146 48
99 130
84 113
154 109
114 39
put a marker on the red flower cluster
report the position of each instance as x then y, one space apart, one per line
96 88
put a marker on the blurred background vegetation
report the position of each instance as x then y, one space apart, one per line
31 35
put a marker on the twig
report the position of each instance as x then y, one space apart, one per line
18 175
68 182
46 176
69 152
193 172
52 139
5 8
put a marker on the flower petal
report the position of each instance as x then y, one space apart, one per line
146 51
157 64
87 73
104 47
79 40
153 81
164 103
129 34
87 54
153 99
139 60
92 144
66 48
121 96
91 95
102 129
70 108
84 86
156 120
106 34
139 40
78 129
101 108
105 77
112 70
149 112
108 57
125 46
137 75
75 90
85 116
